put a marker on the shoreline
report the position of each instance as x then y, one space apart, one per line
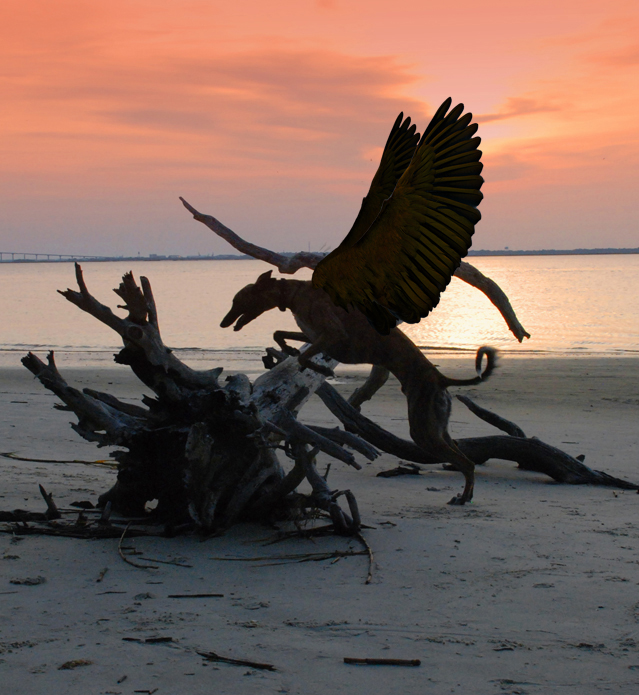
234 359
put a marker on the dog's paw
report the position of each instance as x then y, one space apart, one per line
268 361
458 500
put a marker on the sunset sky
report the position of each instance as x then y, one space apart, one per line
271 116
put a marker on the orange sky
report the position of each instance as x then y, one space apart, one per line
271 116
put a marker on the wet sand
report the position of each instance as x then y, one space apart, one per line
533 588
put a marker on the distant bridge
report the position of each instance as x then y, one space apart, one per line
17 256
20 257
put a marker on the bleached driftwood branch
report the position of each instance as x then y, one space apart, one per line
98 421
152 362
284 264
531 454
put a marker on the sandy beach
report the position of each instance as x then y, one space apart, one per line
532 588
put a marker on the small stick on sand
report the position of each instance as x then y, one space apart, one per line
166 562
294 557
126 559
382 662
371 557
107 463
196 595
212 656
407 469
325 530
101 575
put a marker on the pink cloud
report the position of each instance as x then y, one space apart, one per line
628 56
279 106
519 106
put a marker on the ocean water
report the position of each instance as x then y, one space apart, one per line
571 305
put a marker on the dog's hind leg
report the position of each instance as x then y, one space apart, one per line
464 465
429 408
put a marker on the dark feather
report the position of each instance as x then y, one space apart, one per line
398 152
415 225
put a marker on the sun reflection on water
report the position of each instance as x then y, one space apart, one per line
569 304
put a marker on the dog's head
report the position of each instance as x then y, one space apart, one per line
252 301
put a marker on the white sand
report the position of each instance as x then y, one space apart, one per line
533 588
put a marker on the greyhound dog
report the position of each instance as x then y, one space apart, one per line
348 337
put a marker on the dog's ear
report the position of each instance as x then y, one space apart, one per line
264 277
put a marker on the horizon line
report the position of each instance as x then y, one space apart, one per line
67 258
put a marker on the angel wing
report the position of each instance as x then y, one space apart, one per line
398 267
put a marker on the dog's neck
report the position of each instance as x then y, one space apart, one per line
287 293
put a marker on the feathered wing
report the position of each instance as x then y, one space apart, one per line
397 155
399 267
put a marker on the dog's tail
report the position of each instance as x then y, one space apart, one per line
491 362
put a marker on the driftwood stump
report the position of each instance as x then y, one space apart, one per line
205 451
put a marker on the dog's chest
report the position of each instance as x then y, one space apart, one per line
306 327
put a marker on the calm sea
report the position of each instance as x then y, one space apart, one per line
571 305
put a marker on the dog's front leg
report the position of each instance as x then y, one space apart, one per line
314 349
280 337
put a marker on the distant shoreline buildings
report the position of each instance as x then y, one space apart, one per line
20 257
